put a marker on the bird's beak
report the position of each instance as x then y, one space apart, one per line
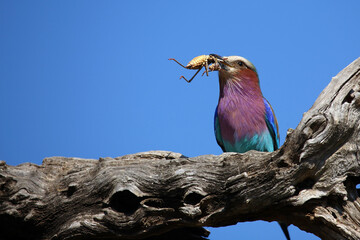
221 60
216 56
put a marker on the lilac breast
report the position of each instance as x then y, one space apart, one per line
241 112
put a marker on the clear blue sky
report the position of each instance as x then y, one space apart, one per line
91 79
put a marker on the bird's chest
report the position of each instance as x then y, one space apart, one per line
241 120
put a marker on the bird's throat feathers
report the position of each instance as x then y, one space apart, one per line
239 83
241 108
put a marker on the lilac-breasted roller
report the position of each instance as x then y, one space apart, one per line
244 119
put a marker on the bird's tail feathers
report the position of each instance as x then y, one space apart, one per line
285 230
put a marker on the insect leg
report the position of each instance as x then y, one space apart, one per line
177 62
207 68
192 77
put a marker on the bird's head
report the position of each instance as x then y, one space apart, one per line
236 67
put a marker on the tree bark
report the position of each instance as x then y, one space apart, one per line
309 182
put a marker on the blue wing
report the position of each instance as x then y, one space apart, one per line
217 131
272 124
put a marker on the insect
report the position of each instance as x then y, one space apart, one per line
213 67
199 62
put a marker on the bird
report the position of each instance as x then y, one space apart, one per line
244 120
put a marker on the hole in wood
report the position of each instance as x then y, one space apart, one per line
282 164
352 184
71 190
193 198
6 184
125 202
315 126
355 180
308 183
349 97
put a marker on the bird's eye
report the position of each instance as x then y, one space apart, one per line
240 63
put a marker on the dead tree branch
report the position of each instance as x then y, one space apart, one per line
309 182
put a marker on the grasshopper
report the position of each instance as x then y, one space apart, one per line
201 61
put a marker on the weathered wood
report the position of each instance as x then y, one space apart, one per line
309 182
